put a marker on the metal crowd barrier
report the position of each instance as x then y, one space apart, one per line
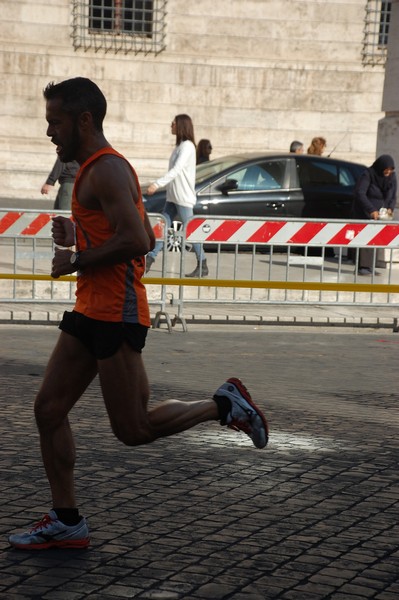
26 250
290 261
250 260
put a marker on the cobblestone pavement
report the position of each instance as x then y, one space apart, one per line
204 515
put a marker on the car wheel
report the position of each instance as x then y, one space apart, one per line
174 238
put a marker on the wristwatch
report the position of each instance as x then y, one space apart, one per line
75 260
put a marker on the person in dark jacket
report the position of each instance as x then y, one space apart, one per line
65 174
375 198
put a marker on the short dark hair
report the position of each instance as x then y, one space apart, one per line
79 95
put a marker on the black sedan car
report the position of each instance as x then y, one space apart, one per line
272 185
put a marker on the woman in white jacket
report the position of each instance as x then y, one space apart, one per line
180 188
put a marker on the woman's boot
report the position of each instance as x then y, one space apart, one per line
201 270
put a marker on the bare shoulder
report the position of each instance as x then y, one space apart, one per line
108 181
110 164
110 172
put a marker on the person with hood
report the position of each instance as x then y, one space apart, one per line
375 198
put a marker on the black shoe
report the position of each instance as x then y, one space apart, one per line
369 272
364 271
201 270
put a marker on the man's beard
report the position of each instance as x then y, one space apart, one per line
70 152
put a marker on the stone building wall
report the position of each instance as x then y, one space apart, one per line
253 75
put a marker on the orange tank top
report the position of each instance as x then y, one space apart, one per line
110 293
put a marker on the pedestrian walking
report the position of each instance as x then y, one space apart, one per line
180 189
65 174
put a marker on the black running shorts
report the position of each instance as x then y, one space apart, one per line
103 338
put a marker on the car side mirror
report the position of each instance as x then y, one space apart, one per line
227 186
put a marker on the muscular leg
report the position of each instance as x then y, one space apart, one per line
126 393
70 370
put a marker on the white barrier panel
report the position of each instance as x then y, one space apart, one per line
290 232
29 223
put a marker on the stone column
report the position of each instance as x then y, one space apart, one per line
388 126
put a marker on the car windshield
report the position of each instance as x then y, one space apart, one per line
213 167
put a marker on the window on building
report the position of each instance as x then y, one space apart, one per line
119 25
376 31
128 16
384 23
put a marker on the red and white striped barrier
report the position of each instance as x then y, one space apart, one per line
293 232
15 223
237 231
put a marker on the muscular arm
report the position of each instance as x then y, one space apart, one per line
149 231
111 183
110 186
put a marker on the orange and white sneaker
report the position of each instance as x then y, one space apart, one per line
50 532
243 415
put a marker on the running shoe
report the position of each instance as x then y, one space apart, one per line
244 415
50 532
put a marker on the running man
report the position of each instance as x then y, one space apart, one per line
106 331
